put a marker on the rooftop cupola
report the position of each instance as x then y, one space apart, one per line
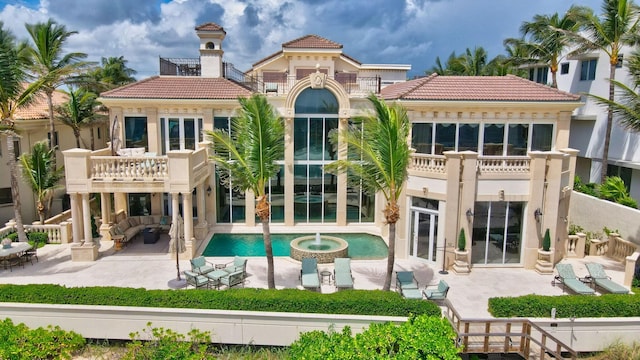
211 36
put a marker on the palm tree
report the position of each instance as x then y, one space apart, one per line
40 174
545 39
50 65
472 63
617 27
112 73
13 96
246 158
378 155
78 112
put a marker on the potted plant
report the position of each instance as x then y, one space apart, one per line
461 264
462 241
546 241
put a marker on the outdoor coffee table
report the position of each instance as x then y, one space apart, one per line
151 235
325 274
214 277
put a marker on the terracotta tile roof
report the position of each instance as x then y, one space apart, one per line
39 109
312 42
210 27
489 88
180 87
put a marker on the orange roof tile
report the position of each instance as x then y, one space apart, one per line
210 27
470 88
39 109
312 42
180 87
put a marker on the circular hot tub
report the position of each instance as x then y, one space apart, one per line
324 248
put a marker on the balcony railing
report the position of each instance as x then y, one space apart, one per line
429 163
129 168
502 165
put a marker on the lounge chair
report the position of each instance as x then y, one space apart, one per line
342 273
309 276
199 265
601 279
407 285
233 278
569 279
437 294
196 280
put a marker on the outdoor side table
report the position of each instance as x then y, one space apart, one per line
325 275
117 241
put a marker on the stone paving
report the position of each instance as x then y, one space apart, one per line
150 266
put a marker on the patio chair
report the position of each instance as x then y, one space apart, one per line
200 265
309 276
196 280
29 254
437 294
233 279
568 278
600 278
238 264
407 285
342 276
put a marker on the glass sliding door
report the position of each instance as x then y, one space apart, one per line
424 229
497 233
180 133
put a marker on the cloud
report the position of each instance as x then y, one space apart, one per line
90 13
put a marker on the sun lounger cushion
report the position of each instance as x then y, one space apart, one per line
309 273
570 280
412 294
601 279
437 294
342 273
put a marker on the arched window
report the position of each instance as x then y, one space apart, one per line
210 46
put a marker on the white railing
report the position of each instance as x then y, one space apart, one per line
129 168
503 165
429 163
57 233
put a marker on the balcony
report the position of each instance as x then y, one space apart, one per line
427 165
98 171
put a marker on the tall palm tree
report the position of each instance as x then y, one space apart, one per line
246 158
40 174
378 155
472 63
112 72
79 111
545 39
50 65
615 28
13 95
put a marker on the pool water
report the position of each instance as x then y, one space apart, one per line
361 246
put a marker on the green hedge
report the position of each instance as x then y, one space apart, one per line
356 302
579 306
19 342
33 237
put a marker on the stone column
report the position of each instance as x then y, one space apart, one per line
76 224
175 205
200 230
288 173
86 218
105 208
187 209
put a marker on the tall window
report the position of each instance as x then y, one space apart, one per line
517 139
5 196
493 143
230 204
542 137
180 133
315 190
421 137
539 74
135 132
497 232
588 69
468 137
139 204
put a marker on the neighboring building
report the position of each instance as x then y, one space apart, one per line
491 157
588 74
32 124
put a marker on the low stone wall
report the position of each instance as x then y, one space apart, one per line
592 334
593 214
226 327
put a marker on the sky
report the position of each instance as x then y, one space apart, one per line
412 32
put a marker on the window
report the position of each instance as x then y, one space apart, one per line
135 132
493 144
99 134
517 139
5 196
539 74
623 172
564 68
542 136
445 138
16 148
0 148
139 204
421 137
588 69
468 137
178 133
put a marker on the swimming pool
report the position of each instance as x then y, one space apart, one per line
361 246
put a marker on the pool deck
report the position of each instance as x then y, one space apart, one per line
150 266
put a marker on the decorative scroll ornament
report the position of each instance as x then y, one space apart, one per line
318 80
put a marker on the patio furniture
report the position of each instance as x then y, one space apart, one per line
238 264
200 265
215 276
309 276
196 280
233 279
407 285
600 278
12 256
437 294
151 235
342 276
568 278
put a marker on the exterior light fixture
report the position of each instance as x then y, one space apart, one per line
469 214
537 214
209 190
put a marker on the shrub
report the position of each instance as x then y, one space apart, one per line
19 342
462 241
355 302
167 344
579 306
546 241
574 229
613 188
628 201
589 188
422 337
33 237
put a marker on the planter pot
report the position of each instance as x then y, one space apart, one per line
461 263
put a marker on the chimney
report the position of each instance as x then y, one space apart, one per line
211 36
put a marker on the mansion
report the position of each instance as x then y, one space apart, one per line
491 155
